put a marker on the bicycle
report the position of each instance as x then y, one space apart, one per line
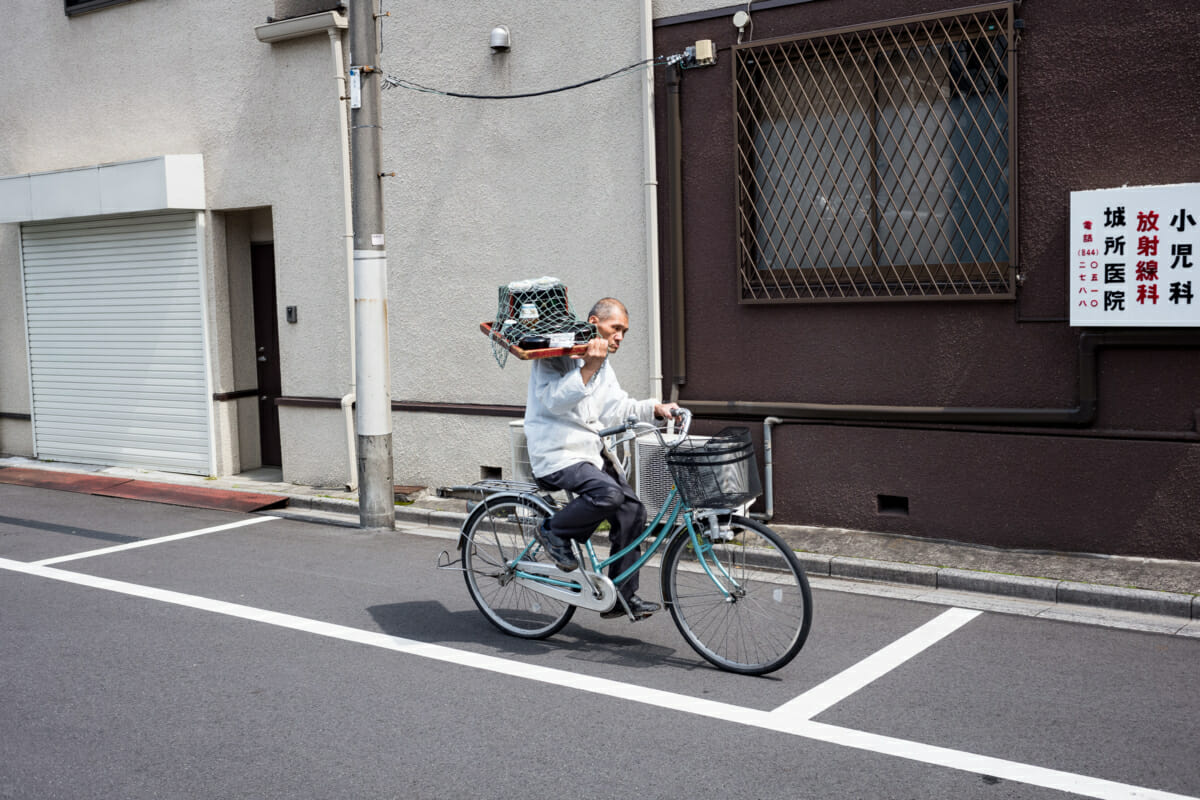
735 591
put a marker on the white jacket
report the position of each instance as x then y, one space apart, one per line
562 414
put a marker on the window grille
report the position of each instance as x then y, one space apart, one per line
877 162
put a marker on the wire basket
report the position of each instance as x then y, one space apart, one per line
716 473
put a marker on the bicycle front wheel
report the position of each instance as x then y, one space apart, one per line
741 601
496 535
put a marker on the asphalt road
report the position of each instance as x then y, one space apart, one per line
152 651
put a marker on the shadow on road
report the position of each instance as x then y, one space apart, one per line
430 621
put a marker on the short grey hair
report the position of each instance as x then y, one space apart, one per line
606 307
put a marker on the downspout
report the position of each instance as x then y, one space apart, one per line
768 472
675 190
1081 415
347 402
650 204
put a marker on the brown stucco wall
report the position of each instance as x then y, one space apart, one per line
1106 97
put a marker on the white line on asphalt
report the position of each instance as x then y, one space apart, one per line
147 542
768 720
875 666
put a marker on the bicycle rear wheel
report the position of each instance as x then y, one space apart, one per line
497 533
743 602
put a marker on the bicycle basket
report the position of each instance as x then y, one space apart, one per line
718 473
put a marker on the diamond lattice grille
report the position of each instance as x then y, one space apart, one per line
875 162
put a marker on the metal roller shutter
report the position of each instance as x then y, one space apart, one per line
116 342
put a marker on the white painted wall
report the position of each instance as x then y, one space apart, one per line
486 191
672 8
189 76
493 191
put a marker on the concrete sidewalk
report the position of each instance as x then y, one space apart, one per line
1168 590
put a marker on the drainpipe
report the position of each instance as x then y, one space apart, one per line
347 402
675 190
1082 414
768 472
650 203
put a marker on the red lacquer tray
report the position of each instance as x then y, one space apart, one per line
528 355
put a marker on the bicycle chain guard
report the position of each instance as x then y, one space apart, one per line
581 595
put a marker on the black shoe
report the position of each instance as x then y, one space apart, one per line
640 608
558 548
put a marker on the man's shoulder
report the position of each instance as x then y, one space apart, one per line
556 365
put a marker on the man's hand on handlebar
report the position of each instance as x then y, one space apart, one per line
667 410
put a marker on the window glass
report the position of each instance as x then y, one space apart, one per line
875 162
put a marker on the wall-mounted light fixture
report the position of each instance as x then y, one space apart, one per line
740 20
500 39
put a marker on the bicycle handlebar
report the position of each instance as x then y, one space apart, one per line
615 429
632 422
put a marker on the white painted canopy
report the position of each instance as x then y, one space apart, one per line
160 183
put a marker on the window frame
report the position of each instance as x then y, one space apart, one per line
85 6
869 282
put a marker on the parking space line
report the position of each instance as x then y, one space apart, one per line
147 542
845 683
1072 783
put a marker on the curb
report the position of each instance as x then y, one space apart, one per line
1044 590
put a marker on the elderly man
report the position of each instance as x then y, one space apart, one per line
569 400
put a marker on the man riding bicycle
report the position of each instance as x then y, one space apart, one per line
569 401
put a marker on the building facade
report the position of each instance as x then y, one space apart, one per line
876 248
852 232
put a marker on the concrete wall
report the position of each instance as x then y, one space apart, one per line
493 191
150 78
486 192
16 435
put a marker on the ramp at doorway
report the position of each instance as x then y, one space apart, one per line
173 494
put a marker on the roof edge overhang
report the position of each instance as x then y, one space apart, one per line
297 27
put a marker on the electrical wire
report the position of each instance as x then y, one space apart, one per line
391 81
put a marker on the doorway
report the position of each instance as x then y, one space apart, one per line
266 351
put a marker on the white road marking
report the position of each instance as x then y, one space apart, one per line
873 667
147 542
769 720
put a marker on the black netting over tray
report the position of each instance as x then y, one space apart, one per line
719 472
535 315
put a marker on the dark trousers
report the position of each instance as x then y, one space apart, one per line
600 495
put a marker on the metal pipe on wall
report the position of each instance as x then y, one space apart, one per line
768 511
650 203
1082 414
675 193
347 400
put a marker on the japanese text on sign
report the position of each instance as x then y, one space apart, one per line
1134 255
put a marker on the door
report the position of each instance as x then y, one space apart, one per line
266 349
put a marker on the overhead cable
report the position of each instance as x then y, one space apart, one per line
391 81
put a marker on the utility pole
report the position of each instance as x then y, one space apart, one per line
372 367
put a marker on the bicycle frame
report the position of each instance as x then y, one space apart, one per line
673 518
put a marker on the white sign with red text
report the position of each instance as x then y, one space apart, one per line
1134 256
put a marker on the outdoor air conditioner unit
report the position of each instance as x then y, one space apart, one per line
521 471
652 477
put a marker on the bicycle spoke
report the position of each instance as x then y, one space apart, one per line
763 621
498 536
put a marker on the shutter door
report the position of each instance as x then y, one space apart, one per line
116 342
